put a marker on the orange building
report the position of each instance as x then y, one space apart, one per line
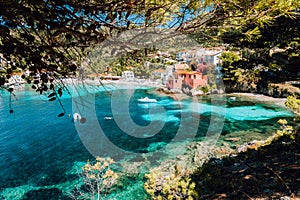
192 79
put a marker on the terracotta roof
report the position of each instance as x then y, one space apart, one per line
187 72
17 73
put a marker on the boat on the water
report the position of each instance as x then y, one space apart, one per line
147 100
232 98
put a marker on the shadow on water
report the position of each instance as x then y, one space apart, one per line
49 194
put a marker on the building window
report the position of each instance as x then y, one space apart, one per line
195 76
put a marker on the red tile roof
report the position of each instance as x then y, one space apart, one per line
187 72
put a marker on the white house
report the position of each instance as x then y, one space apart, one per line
216 59
128 75
209 56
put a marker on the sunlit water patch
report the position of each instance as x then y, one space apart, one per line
254 113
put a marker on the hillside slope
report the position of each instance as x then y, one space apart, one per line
267 172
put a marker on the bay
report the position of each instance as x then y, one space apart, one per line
40 153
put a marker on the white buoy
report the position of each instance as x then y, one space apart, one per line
76 117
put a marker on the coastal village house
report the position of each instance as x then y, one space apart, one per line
128 75
203 55
201 59
171 69
210 57
192 79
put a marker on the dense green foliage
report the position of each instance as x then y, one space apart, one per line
266 32
230 71
51 39
54 36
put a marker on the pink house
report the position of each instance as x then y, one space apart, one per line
192 79
176 81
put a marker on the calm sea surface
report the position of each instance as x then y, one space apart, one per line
41 153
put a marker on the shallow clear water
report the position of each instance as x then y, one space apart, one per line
41 153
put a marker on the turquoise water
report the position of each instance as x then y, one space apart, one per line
41 153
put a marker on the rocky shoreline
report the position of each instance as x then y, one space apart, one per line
260 97
266 169
260 171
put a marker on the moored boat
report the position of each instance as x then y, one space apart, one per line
147 100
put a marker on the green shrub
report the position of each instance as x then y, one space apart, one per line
174 184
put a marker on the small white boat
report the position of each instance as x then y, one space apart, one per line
232 98
147 100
